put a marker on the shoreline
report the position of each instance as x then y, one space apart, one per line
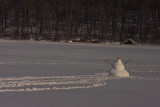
114 44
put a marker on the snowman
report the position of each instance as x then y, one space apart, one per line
118 69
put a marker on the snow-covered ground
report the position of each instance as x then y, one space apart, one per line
46 74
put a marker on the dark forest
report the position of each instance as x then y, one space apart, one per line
105 20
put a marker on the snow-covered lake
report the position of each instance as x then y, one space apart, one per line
46 74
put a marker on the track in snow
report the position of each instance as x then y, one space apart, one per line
28 83
12 84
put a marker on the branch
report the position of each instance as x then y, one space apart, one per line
109 62
127 61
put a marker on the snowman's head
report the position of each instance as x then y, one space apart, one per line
119 60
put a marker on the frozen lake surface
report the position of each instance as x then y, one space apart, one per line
46 74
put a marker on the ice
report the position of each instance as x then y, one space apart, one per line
118 69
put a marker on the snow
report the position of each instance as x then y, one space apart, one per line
47 74
118 69
52 82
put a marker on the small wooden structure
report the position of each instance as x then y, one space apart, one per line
129 41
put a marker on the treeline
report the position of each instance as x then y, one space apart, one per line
105 20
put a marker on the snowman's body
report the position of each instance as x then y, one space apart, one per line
118 70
